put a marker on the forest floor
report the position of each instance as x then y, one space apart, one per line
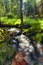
26 20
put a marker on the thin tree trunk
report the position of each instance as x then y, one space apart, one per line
10 5
42 8
21 13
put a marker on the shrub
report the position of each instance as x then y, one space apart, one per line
10 15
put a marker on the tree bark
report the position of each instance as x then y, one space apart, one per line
21 13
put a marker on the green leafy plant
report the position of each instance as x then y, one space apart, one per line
10 15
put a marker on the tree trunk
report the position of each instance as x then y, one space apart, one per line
21 13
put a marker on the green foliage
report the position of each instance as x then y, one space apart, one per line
37 38
10 15
37 63
10 21
2 35
34 31
6 50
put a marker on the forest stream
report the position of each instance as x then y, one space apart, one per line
21 43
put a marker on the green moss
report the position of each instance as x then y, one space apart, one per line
12 21
6 51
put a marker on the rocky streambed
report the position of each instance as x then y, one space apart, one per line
33 53
22 43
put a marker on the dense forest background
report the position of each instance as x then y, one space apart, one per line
26 15
29 7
